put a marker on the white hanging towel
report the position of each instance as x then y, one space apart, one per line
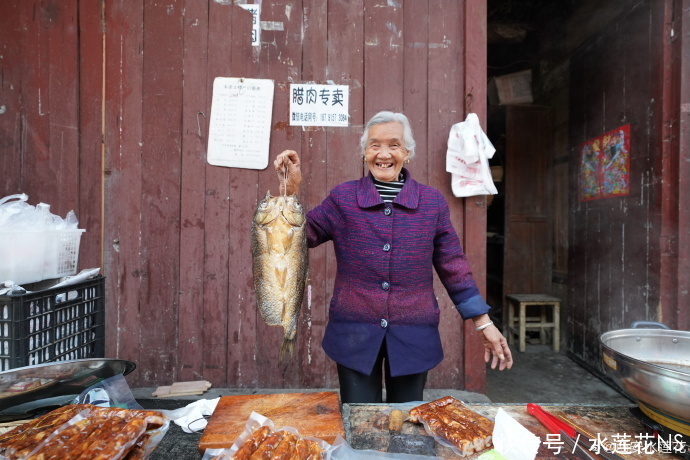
467 159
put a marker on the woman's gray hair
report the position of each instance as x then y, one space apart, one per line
390 117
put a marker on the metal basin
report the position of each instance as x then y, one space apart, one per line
652 366
30 388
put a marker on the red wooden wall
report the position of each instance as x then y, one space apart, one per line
107 111
627 260
675 264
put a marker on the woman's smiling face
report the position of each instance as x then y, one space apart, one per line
385 152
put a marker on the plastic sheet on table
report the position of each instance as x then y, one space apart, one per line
408 406
255 422
85 431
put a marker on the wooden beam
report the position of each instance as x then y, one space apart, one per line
474 219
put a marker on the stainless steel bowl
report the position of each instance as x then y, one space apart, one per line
28 386
652 366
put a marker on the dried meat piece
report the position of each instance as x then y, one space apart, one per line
437 424
61 443
306 449
285 447
27 440
117 442
449 419
481 425
301 450
266 448
153 419
104 433
51 419
252 443
414 412
315 452
96 435
139 451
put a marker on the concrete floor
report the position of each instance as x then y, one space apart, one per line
540 375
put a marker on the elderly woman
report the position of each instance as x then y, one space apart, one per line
388 231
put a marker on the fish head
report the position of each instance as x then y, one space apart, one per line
293 211
268 209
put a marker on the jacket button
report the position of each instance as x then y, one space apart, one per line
386 247
385 285
384 323
387 211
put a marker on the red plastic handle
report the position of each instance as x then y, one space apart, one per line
553 424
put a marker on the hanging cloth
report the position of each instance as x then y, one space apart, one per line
467 159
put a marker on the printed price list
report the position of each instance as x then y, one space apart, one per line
240 126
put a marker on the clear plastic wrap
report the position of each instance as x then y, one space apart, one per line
55 443
18 215
407 407
83 434
111 392
343 451
339 450
92 432
255 422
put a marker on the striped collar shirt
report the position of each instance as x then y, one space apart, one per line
389 190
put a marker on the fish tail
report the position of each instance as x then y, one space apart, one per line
287 346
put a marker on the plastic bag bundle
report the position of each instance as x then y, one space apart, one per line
18 215
35 244
467 158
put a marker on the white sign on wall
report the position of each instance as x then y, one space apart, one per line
240 126
256 23
319 105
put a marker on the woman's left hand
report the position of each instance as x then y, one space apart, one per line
494 343
497 346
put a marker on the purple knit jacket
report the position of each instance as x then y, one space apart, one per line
384 282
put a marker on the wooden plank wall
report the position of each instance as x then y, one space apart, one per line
527 259
675 163
39 147
108 105
682 64
11 118
614 257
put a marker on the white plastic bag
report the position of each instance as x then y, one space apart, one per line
16 214
467 158
12 206
191 417
512 440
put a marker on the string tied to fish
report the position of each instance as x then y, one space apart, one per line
285 177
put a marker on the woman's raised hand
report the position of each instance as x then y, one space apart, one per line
287 164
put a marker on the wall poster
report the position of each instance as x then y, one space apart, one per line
240 126
319 105
605 165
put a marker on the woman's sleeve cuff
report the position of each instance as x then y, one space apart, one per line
474 306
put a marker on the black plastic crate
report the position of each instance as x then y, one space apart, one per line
56 324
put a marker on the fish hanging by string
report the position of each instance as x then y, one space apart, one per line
280 263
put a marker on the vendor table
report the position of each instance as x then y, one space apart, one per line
366 427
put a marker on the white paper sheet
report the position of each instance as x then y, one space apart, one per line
240 127
319 105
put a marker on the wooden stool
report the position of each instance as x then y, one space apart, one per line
533 322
